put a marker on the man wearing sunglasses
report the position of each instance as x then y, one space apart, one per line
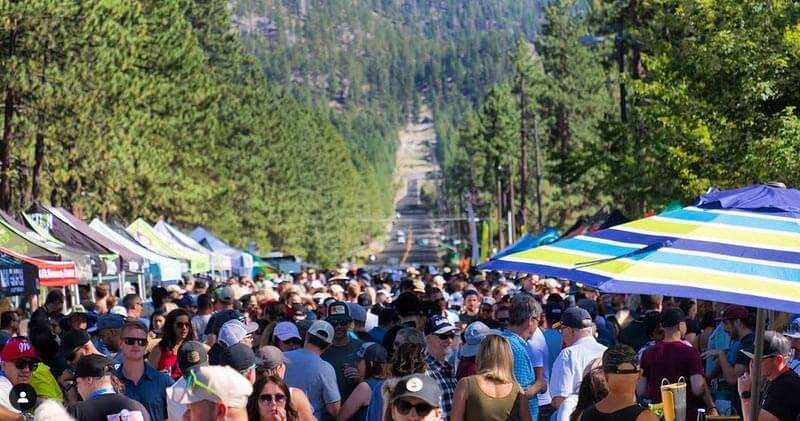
780 392
440 335
216 393
342 352
19 362
143 383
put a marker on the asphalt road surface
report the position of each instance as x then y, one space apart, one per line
413 238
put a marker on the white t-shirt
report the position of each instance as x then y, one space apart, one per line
175 409
539 355
372 320
5 392
567 373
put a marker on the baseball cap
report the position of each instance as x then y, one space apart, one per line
620 355
232 332
774 344
419 286
357 312
192 354
488 301
239 356
216 383
322 329
224 294
672 317
371 351
18 347
94 365
71 340
270 357
110 321
286 330
338 310
553 310
438 325
420 386
473 336
335 288
576 318
793 331
733 312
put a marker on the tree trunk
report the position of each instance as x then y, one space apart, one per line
523 157
5 147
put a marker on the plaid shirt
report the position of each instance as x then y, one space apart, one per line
445 376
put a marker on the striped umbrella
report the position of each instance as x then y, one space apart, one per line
737 246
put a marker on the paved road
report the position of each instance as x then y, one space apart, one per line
416 244
412 238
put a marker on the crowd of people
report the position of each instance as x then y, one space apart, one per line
347 345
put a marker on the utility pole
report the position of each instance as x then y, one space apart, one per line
500 236
538 173
473 231
513 223
523 148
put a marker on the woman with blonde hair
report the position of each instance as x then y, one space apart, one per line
492 394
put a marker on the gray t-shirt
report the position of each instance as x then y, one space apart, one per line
307 371
340 357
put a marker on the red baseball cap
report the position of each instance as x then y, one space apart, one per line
733 312
17 348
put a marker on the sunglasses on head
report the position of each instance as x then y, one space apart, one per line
404 407
278 398
137 341
193 382
21 364
616 370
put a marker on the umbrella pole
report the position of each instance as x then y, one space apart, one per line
121 279
755 405
140 281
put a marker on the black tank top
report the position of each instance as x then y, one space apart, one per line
625 414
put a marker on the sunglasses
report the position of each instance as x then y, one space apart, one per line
446 336
183 324
137 341
404 407
21 364
192 382
278 398
503 320
340 322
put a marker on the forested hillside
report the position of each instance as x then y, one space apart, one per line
371 64
267 121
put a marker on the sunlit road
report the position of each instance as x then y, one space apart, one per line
413 238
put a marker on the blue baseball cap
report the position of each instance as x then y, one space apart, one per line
473 336
438 325
110 321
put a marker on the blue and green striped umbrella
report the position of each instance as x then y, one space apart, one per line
737 246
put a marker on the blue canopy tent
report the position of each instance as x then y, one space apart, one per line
242 262
526 242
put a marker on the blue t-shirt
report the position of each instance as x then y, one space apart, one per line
523 368
554 341
375 408
316 377
151 391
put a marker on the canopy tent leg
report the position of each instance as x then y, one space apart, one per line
76 290
121 279
755 406
140 282
64 291
91 291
